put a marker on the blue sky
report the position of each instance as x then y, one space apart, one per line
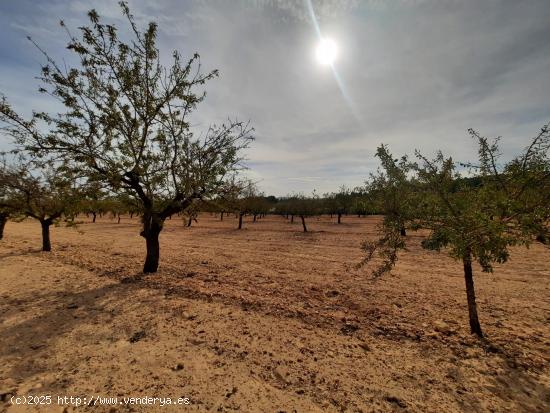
418 74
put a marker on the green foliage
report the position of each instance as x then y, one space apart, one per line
472 218
478 216
126 121
48 194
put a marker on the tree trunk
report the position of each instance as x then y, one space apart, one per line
303 223
240 221
152 225
94 217
292 219
3 220
254 218
189 222
403 231
118 219
475 327
46 244
221 216
339 218
131 215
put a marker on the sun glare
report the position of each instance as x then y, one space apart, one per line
326 51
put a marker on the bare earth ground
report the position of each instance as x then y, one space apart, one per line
266 319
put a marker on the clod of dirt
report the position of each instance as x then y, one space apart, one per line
137 336
231 393
348 329
178 367
72 306
442 327
280 374
397 401
365 346
332 293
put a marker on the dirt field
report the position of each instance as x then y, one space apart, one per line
267 319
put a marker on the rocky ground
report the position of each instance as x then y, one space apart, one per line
267 319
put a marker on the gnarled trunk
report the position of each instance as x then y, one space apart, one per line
46 244
94 217
475 327
339 218
152 225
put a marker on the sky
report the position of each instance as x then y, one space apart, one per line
413 74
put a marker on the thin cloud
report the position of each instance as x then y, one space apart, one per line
420 73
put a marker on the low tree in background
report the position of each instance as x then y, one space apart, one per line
390 188
47 195
343 202
94 200
509 205
259 206
362 203
191 213
246 193
303 207
126 124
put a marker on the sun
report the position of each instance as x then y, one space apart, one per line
326 51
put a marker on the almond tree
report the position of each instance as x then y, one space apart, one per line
48 195
475 220
127 123
303 207
240 198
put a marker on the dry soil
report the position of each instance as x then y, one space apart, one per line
266 319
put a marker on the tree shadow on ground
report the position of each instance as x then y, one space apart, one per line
26 343
515 380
